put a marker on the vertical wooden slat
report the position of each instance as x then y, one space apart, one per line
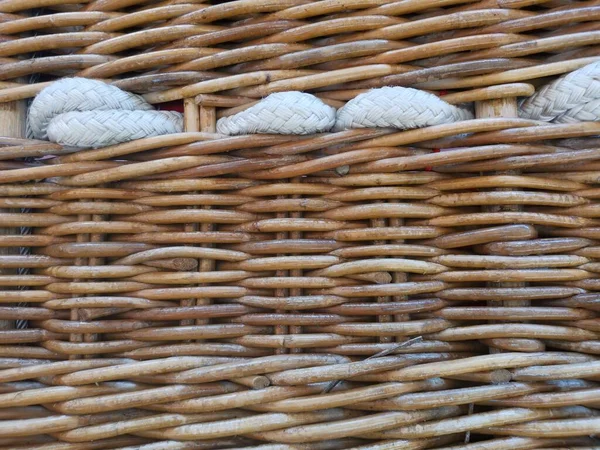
207 122
502 107
399 277
497 107
77 313
12 124
191 115
377 223
280 329
191 123
208 119
296 292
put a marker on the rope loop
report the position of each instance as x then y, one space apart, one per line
96 129
574 97
397 107
281 113
84 113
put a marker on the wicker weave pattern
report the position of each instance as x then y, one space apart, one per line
195 291
302 268
257 48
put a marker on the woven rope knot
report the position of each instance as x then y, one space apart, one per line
78 112
397 107
574 97
281 113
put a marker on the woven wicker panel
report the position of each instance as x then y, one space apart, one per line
254 48
372 289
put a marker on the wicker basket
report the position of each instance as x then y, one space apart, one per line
202 291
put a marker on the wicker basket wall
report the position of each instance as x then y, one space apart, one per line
370 288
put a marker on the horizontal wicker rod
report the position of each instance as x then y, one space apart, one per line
343 398
502 443
512 416
359 426
250 399
138 368
583 397
253 424
479 394
511 76
138 398
95 432
552 428
316 229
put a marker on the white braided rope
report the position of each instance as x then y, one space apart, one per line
78 94
87 113
574 97
281 113
397 107
104 128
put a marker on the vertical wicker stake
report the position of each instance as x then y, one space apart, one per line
296 329
208 119
207 122
12 124
497 107
191 115
200 118
505 107
191 123
380 223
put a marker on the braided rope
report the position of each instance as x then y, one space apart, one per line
281 113
397 107
104 128
87 113
574 97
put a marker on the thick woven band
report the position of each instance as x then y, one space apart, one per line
574 97
397 107
87 113
104 128
281 113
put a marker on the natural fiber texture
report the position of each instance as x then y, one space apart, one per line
86 113
574 97
300 113
397 107
334 47
221 292
281 113
103 128
218 298
78 94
